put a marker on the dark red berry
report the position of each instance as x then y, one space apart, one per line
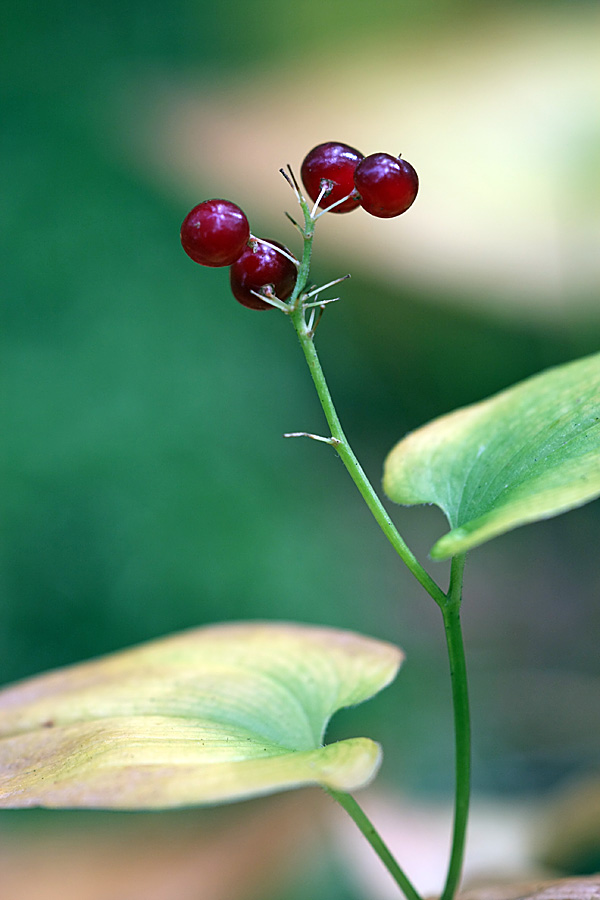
332 163
387 185
215 233
262 268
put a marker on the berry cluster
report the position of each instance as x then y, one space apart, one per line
337 178
217 233
341 178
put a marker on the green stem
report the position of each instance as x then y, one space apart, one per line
450 606
372 835
340 442
462 726
449 603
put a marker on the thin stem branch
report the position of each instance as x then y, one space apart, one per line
372 835
462 726
277 249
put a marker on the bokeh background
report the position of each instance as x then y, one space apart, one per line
146 485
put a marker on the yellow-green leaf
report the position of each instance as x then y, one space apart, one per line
207 716
528 453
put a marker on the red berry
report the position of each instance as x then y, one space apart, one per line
335 163
387 185
262 267
215 233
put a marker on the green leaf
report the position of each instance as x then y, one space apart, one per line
528 453
206 716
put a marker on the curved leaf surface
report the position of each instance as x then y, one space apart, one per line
206 716
528 453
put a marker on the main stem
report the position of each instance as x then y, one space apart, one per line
449 604
462 726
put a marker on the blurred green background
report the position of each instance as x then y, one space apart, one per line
146 487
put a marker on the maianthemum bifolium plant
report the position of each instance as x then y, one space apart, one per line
235 710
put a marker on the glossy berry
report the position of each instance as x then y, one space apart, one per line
335 163
387 185
215 233
262 267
